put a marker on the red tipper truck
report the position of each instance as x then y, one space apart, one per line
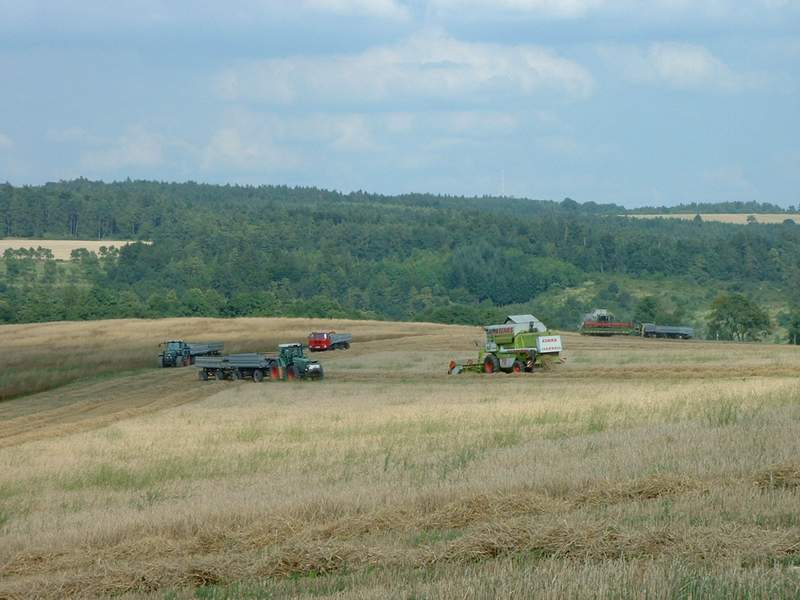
319 341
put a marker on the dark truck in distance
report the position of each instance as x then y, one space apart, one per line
667 331
177 353
320 341
290 363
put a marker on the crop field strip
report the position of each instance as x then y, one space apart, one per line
638 462
61 249
734 218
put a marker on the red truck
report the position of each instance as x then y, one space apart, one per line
320 341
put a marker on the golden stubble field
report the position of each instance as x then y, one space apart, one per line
61 249
640 468
734 218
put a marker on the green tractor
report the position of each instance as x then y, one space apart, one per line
295 365
519 345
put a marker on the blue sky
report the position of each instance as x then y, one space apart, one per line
621 101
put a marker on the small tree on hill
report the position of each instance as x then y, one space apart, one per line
735 317
794 327
647 310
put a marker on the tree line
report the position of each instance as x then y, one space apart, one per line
275 250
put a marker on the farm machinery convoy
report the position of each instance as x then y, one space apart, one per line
601 322
289 363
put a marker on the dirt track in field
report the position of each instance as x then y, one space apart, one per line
81 406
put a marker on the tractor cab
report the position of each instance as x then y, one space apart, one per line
290 352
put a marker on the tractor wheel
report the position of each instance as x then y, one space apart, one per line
451 366
293 373
202 375
518 367
491 364
258 375
275 372
219 374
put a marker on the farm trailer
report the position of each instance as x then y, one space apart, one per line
177 353
320 341
667 331
519 345
290 363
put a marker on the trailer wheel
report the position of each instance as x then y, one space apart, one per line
346 345
219 374
518 367
202 375
235 374
258 375
491 364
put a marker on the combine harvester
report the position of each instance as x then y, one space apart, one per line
519 345
177 353
602 322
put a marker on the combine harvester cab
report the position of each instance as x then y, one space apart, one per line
602 322
520 345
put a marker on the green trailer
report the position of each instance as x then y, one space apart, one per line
289 363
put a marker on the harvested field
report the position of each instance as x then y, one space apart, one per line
734 218
638 465
62 249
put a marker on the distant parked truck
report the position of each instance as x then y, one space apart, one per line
319 341
289 363
177 353
667 331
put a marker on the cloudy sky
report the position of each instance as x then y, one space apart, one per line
626 101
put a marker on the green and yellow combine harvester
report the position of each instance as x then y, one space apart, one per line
519 345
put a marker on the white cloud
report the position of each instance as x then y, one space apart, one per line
555 8
729 178
6 143
426 66
390 9
135 148
681 66
635 9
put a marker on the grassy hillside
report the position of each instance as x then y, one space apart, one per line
637 465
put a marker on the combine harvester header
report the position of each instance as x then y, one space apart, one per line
602 322
519 345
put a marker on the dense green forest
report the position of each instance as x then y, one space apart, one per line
281 251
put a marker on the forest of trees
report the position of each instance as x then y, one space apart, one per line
272 250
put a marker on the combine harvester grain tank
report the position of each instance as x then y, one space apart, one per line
520 345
